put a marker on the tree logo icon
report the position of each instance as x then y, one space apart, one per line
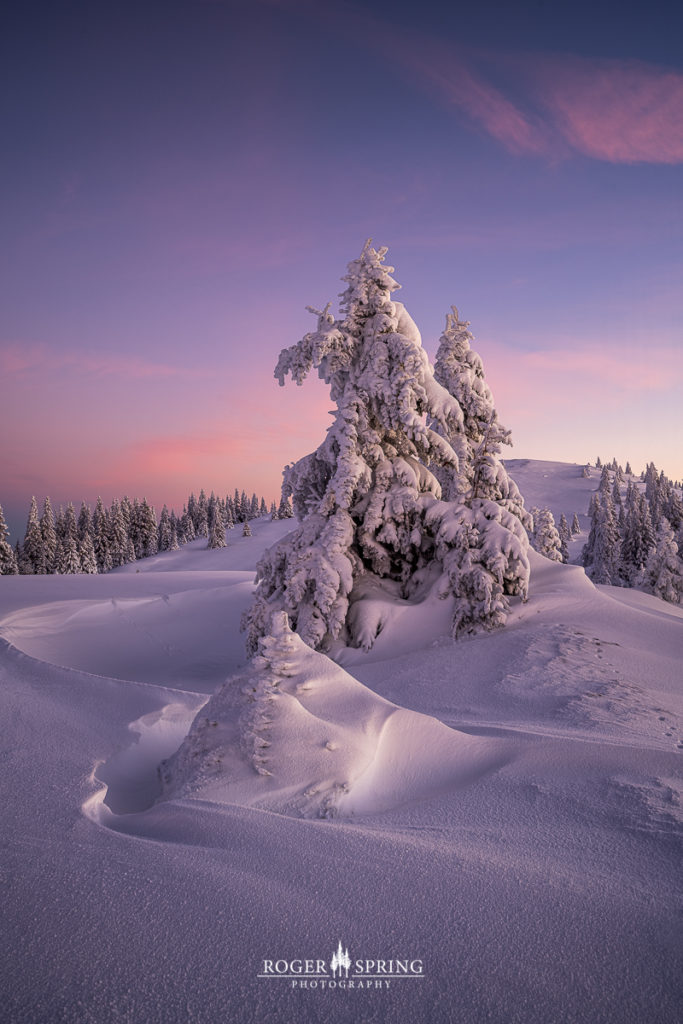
340 961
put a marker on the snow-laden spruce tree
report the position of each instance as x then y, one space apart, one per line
373 519
478 443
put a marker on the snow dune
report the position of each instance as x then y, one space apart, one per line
299 735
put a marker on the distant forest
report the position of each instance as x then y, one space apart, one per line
126 531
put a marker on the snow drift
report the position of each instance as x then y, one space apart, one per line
297 734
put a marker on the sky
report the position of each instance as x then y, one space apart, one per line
181 179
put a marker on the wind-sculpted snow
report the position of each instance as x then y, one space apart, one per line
298 735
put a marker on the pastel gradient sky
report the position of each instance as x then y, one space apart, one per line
181 179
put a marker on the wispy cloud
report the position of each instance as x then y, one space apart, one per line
21 358
619 111
613 110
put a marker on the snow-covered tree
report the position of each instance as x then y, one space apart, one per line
148 530
565 537
576 525
187 525
546 539
47 530
100 537
616 492
477 440
217 532
8 560
117 536
86 552
601 551
664 570
165 531
128 552
67 557
246 529
637 539
586 472
33 555
84 521
285 508
372 514
201 516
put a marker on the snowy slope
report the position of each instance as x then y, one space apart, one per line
513 818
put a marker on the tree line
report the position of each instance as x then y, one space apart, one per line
98 540
636 533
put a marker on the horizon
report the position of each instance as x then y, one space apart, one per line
177 190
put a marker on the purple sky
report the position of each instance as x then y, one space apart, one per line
181 179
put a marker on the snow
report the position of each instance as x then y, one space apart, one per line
511 813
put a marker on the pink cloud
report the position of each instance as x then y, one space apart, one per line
613 110
460 86
619 111
21 358
580 383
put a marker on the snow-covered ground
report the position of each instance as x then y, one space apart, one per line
503 809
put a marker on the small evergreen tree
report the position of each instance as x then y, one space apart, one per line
86 552
117 536
8 559
565 537
100 537
187 524
67 558
217 534
47 530
201 518
600 554
285 508
85 526
246 529
664 571
33 555
576 526
546 539
165 533
148 530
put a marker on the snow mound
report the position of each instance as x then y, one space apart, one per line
298 735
